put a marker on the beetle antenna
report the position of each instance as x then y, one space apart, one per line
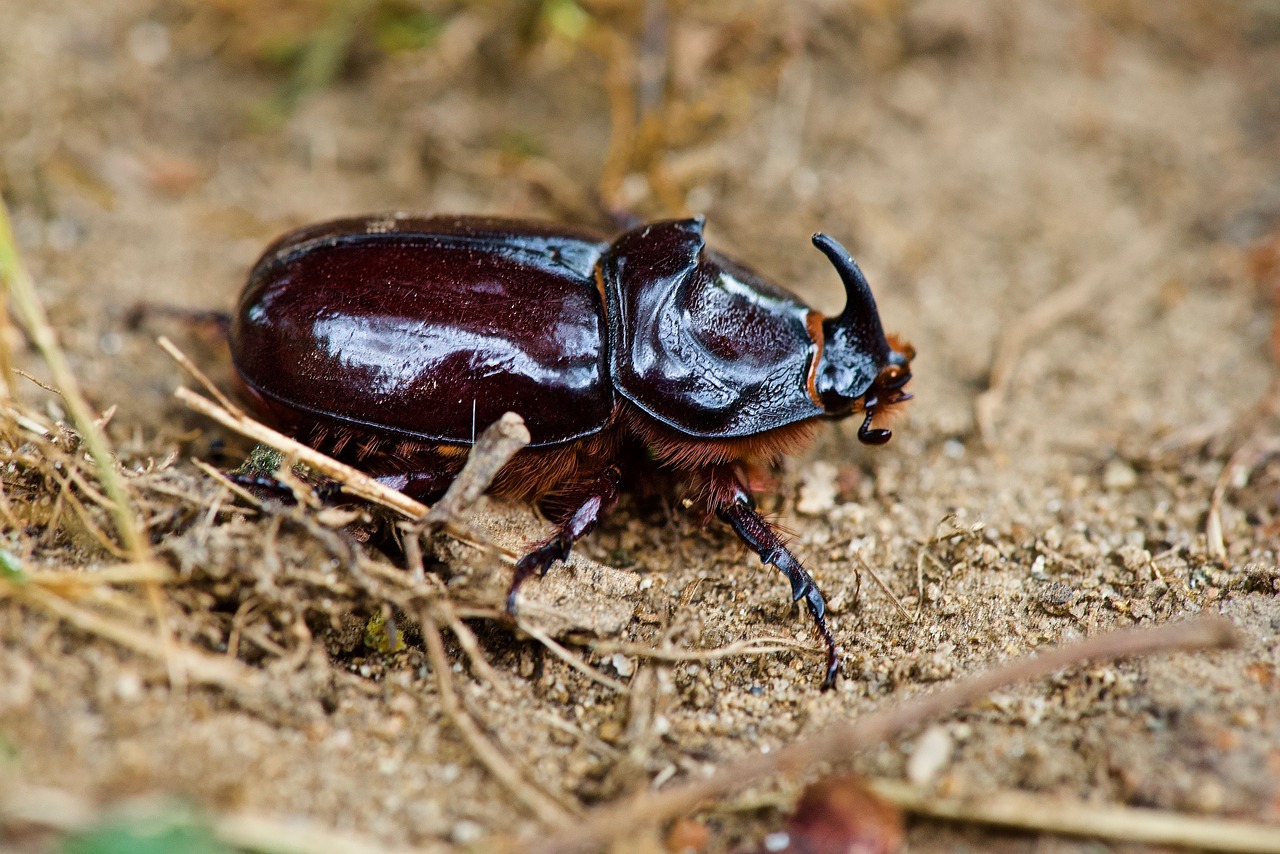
868 436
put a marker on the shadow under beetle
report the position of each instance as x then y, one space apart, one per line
392 341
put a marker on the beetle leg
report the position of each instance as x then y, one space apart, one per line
425 484
597 498
733 503
265 486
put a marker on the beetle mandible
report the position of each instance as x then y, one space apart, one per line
389 340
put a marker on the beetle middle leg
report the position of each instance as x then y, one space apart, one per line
731 500
593 500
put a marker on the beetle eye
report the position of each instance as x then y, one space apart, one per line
895 378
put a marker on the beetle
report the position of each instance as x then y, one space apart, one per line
390 341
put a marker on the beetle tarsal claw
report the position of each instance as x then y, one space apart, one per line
539 560
800 588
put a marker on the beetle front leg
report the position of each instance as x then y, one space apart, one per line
732 502
596 498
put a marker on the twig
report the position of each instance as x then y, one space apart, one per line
841 739
1026 811
542 806
500 441
353 481
439 601
227 483
480 666
749 646
919 584
190 367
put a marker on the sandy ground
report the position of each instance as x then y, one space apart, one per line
1072 210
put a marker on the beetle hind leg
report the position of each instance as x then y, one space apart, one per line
732 502
596 498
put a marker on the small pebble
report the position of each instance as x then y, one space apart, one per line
466 833
1119 475
931 755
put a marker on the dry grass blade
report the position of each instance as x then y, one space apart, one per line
893 597
1026 811
1241 462
617 820
129 526
70 580
23 293
195 664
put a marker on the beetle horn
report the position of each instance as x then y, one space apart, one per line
855 352
860 321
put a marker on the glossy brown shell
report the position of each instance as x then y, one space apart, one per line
429 328
701 343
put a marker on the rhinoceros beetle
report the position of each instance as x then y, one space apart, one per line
390 341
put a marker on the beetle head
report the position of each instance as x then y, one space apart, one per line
858 363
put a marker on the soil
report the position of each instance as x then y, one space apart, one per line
1071 210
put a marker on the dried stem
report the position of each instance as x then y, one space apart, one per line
353 481
748 646
893 597
192 663
568 657
184 361
1245 458
1026 811
500 441
839 740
